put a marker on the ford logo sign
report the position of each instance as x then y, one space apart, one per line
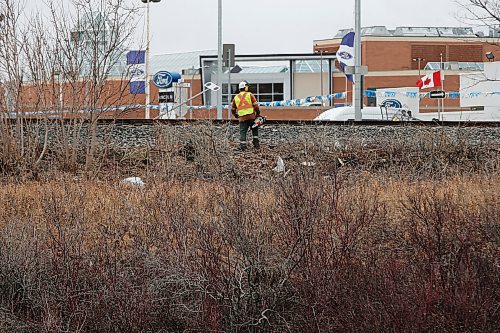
345 55
391 104
164 79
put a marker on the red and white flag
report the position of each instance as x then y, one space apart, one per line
430 81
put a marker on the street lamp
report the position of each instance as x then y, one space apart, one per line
146 86
194 71
321 51
418 60
219 59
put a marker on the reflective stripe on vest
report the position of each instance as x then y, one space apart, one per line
244 104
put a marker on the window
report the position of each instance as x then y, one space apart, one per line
265 98
264 92
266 88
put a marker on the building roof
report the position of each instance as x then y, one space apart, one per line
456 66
383 31
176 62
263 69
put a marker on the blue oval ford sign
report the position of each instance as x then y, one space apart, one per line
164 79
392 103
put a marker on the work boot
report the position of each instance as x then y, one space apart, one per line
243 147
256 143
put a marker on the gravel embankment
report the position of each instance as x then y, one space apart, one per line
142 135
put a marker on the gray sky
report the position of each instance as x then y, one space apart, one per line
281 26
277 26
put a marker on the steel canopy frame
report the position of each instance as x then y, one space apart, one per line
290 58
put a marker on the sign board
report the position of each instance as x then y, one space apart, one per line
181 84
228 55
399 98
164 79
437 94
166 97
211 86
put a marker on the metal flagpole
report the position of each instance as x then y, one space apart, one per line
442 82
346 93
358 97
146 85
229 100
219 62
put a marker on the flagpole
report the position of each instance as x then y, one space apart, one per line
442 80
146 85
346 99
358 97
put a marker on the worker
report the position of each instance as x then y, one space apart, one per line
246 108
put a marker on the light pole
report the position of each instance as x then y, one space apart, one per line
321 51
358 94
146 85
219 60
419 60
195 70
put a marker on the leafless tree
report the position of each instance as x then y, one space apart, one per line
484 13
72 63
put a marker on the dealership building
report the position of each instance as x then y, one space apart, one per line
287 84
395 58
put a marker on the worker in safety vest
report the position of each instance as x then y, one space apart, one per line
246 108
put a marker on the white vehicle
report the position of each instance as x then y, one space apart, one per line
346 113
311 104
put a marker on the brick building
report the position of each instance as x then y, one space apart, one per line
393 57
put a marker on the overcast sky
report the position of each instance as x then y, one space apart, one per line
282 26
278 26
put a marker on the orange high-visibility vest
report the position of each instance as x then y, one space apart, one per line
244 104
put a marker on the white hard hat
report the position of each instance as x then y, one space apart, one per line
243 84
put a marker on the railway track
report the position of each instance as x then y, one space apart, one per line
309 123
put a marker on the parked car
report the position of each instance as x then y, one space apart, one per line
312 104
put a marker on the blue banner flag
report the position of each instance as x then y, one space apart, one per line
136 61
345 54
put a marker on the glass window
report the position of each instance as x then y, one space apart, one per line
279 97
234 89
265 88
224 89
278 88
265 98
253 88
224 99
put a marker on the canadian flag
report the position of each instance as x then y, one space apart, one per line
430 81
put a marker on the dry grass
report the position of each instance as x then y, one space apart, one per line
400 237
303 253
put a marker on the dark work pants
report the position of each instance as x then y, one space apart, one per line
244 126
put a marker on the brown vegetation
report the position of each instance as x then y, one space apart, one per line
358 247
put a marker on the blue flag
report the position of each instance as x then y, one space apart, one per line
136 61
345 54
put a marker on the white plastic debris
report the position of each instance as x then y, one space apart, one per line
341 162
134 181
309 164
280 165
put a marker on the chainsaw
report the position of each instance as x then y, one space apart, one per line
259 121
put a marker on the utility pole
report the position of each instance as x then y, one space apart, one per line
358 94
148 40
219 62
229 97
146 85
